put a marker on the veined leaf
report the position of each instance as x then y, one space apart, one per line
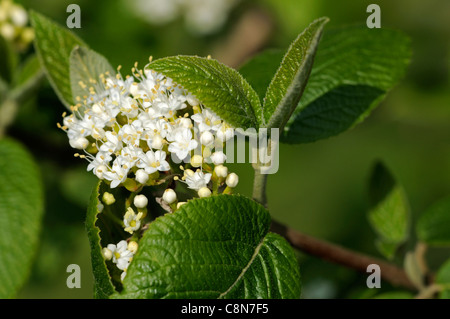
389 213
353 70
21 210
99 219
217 86
433 226
288 84
86 65
54 44
217 247
443 279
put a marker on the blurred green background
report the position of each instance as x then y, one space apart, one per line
320 189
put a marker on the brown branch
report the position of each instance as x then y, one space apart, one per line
342 256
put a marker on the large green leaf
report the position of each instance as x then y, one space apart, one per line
389 212
217 86
100 223
217 247
433 226
443 279
86 66
21 209
289 82
353 70
54 44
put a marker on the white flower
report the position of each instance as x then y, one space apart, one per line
225 132
118 173
153 161
112 143
207 120
182 143
132 221
120 254
197 180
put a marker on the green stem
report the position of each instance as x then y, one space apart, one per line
259 186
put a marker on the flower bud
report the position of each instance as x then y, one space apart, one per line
225 132
232 180
140 201
107 254
133 246
188 172
134 88
80 143
18 16
221 171
207 138
180 204
204 192
157 142
218 158
196 161
108 198
169 196
141 176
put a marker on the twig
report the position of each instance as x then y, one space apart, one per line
343 256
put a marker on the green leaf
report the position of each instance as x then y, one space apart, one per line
217 247
389 210
288 84
100 224
27 80
217 86
260 70
433 226
54 44
395 295
21 210
86 66
353 70
443 278
29 69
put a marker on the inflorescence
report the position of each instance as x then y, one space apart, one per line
145 130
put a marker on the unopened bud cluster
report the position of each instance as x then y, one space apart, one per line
14 25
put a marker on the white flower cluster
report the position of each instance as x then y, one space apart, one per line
13 24
128 127
135 132
201 16
121 255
